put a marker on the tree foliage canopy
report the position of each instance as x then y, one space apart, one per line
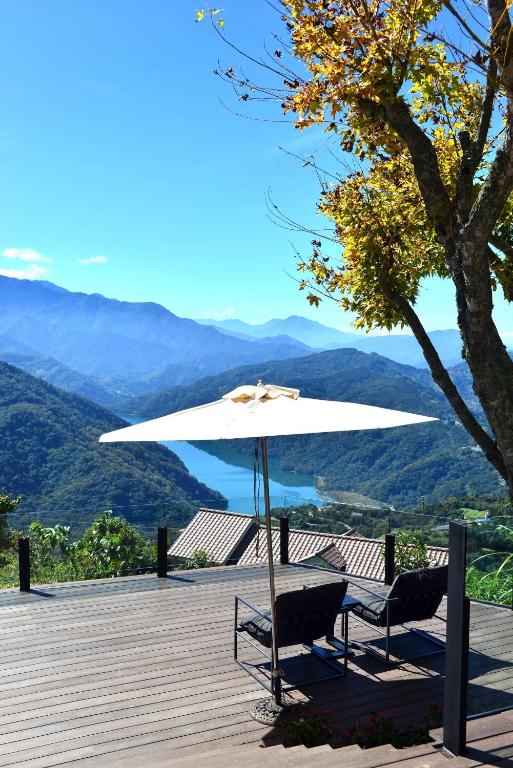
406 102
420 94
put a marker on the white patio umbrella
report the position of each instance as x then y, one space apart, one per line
263 411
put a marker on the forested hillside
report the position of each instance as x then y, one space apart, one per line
50 455
435 460
59 375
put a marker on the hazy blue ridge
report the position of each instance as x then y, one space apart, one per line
435 460
50 455
53 372
126 346
402 348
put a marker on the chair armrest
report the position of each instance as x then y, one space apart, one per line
369 591
248 604
377 594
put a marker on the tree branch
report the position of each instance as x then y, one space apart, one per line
472 151
464 25
444 381
422 152
501 36
486 111
501 269
493 196
501 245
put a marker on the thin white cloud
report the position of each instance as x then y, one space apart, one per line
93 260
224 314
25 254
30 272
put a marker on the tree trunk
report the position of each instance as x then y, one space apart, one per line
483 349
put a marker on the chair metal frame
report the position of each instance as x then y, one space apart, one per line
324 654
365 646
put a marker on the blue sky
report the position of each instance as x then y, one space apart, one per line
123 173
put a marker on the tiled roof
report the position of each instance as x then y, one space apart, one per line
332 556
216 532
231 537
362 556
302 544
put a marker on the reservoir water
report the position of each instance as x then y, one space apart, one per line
235 481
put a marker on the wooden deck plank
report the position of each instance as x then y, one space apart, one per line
139 663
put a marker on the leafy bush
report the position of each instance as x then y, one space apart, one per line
310 729
8 505
490 576
316 728
380 729
410 551
199 559
494 587
109 547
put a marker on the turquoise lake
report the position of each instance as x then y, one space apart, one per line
235 481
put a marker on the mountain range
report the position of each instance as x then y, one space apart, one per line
399 466
50 455
111 350
403 348
142 359
124 347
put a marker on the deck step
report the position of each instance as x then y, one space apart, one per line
300 748
484 736
256 756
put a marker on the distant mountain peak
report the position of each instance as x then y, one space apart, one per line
125 346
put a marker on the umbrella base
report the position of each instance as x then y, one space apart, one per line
267 712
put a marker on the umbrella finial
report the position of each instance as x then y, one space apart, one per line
261 393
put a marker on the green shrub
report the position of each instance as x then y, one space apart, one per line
316 728
8 504
111 547
494 587
310 729
490 576
199 558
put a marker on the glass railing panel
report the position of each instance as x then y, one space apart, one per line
489 579
71 545
490 560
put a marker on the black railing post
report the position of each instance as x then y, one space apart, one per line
284 540
162 552
457 643
24 564
389 558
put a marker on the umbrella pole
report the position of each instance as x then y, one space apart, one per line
275 670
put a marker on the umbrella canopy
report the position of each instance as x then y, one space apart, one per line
263 411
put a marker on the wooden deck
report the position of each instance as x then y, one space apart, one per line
128 671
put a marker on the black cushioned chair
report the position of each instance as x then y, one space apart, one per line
413 596
303 616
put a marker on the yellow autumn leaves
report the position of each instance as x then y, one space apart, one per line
202 13
369 51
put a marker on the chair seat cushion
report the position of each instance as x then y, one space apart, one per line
372 609
259 627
